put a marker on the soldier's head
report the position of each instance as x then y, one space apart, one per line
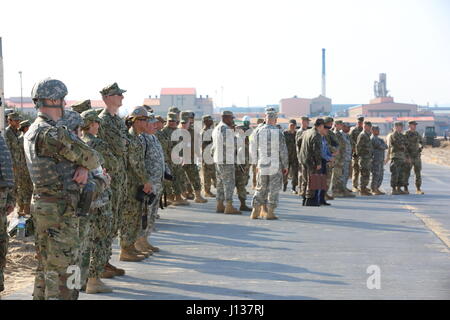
138 119
48 96
152 124
338 124
367 126
346 127
227 117
207 120
329 121
376 130
185 119
160 124
319 125
172 120
271 117
24 126
14 119
412 125
305 122
259 121
91 121
398 126
73 121
112 96
292 125
360 122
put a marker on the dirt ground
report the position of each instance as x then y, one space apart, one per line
439 155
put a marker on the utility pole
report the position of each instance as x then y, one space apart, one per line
2 93
21 92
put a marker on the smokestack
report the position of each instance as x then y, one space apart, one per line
324 89
2 95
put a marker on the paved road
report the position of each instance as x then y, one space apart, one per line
310 253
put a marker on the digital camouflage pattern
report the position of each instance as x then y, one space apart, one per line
49 89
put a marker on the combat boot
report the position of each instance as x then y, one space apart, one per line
179 201
220 207
188 196
271 213
128 254
95 285
144 253
263 212
349 194
107 274
327 196
243 206
322 198
377 192
198 197
395 191
355 189
255 212
294 191
405 190
365 192
284 187
117 271
229 209
141 246
209 194
419 191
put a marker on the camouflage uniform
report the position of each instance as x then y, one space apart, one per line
398 154
354 133
333 147
290 139
191 169
347 159
208 169
270 176
6 200
338 167
379 148
310 156
242 168
364 152
298 144
415 146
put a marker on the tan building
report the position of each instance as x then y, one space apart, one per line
183 98
384 107
294 107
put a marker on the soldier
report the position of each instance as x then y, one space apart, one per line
224 159
82 106
102 220
398 156
25 186
347 160
310 157
138 176
191 169
339 162
114 132
354 133
59 167
259 122
415 147
24 126
364 152
379 148
298 143
242 166
333 146
289 136
271 166
7 202
208 168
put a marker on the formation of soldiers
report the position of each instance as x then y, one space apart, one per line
88 176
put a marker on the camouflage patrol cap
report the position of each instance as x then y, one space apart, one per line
82 106
148 108
318 122
360 119
172 116
138 113
24 124
48 89
293 121
174 109
14 116
412 122
398 123
271 114
185 116
368 123
90 116
304 118
338 122
328 119
347 124
71 120
207 117
227 113
269 109
259 121
375 128
160 119
151 118
112 90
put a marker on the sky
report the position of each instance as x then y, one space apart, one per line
239 52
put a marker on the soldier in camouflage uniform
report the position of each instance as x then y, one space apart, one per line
415 146
333 146
298 144
59 167
242 166
24 126
289 136
208 168
347 160
155 166
259 122
7 202
23 186
82 106
137 177
337 185
101 229
398 156
354 133
114 132
271 164
379 150
224 158
364 152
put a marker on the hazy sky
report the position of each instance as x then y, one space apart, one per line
264 50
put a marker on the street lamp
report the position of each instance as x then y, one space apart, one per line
21 94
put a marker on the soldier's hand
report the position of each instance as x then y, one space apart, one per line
147 188
81 175
285 171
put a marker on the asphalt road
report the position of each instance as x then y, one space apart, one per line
310 253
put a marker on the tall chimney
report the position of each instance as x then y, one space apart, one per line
2 94
324 88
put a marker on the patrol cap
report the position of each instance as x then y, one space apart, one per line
89 116
259 121
328 119
339 122
174 109
112 90
375 128
412 122
207 117
398 123
304 118
24 124
14 116
347 124
318 122
271 114
191 113
360 119
160 119
293 121
138 113
172 116
327 127
82 106
227 113
71 120
151 117
368 123
185 116
148 108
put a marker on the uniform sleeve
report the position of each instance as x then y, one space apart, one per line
57 141
136 164
283 152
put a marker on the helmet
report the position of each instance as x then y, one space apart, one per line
71 120
246 118
90 116
48 89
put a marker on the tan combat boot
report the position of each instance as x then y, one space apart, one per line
220 207
117 271
229 209
255 212
128 254
395 191
148 245
365 192
95 285
328 197
198 197
271 213
377 192
141 246
208 193
188 195
405 190
179 201
170 199
418 191
243 206
108 274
